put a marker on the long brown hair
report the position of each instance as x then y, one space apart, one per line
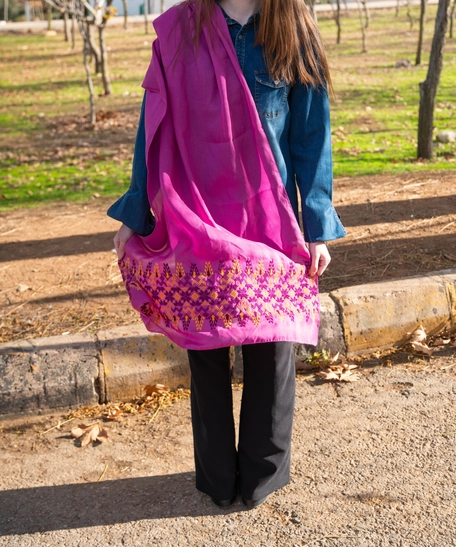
292 46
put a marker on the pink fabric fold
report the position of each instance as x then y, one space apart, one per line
226 263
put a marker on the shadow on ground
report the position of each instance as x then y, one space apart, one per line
57 246
70 506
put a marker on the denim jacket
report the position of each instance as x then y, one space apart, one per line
296 122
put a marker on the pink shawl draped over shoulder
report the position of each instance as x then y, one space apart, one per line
226 263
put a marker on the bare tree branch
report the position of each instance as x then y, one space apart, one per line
88 17
421 33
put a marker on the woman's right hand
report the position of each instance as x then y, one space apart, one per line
121 238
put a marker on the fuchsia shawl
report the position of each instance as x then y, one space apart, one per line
226 263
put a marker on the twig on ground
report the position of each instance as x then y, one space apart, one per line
157 411
387 254
86 326
445 227
57 426
103 474
20 305
9 232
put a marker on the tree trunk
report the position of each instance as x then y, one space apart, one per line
125 7
87 52
162 6
347 11
49 17
397 7
94 49
104 62
428 88
5 11
421 33
73 31
339 27
146 22
363 26
66 35
452 18
310 5
409 14
366 13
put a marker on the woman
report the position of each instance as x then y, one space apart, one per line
235 119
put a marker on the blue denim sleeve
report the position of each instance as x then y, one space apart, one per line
311 157
133 207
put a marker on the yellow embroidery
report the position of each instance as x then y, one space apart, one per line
213 297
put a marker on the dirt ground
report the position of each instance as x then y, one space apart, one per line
373 461
58 271
373 465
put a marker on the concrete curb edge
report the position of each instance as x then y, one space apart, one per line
61 372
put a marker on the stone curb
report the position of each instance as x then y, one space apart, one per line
69 371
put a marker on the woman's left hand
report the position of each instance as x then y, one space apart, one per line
320 258
120 240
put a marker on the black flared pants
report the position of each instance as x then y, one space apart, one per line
261 463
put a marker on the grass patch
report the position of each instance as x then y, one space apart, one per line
47 181
50 153
375 112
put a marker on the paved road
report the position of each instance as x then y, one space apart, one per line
373 465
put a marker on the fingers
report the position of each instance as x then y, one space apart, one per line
323 263
120 240
120 247
320 258
314 264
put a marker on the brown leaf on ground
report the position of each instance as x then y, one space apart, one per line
102 435
160 389
441 342
422 348
108 115
340 373
418 335
328 374
89 433
114 413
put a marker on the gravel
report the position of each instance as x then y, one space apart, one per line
373 465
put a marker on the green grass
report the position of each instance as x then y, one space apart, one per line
50 153
375 112
47 181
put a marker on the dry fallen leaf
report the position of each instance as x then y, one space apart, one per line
328 374
340 373
441 342
422 348
22 288
155 388
114 413
89 433
418 335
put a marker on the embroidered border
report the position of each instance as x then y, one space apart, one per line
218 295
